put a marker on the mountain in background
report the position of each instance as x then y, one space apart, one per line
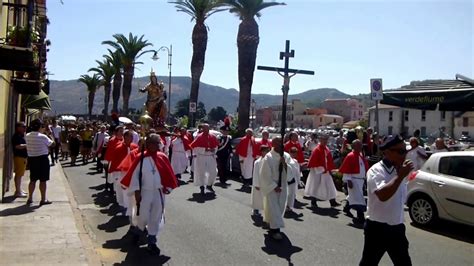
70 96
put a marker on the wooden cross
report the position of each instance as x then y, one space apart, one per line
285 73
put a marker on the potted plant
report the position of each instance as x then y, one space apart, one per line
18 36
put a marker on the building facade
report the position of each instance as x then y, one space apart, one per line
349 109
464 125
398 120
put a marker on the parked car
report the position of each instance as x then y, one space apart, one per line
443 188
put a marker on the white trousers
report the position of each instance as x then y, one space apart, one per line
151 211
246 166
119 192
292 188
131 205
320 186
274 205
205 170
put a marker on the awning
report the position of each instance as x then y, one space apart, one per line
447 95
37 102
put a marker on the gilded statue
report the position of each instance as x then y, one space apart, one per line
156 100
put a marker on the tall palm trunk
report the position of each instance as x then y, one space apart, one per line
247 44
90 102
107 88
197 63
126 88
117 84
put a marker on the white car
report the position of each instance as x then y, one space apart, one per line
443 188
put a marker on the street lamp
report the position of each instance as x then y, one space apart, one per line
170 55
252 105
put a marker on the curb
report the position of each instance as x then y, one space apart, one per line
85 234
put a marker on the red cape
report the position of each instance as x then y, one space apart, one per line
205 140
241 148
168 179
300 156
186 142
350 165
317 158
117 154
114 141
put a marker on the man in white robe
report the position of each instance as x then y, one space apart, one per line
294 174
205 165
180 148
157 179
247 151
274 188
257 197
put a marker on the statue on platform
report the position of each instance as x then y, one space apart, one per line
156 101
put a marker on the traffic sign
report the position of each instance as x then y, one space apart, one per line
192 107
376 90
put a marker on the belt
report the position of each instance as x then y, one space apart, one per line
292 182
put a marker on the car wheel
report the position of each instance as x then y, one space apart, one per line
422 211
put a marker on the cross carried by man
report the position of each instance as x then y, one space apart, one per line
274 169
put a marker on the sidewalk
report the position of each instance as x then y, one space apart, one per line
47 235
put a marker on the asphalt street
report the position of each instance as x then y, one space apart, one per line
219 230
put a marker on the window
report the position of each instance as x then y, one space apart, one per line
390 116
465 121
321 119
423 115
423 131
406 115
459 166
390 130
443 115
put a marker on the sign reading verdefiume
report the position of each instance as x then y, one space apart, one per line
376 91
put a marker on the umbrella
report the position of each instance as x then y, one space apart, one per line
125 120
447 95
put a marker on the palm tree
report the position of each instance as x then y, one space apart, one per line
92 83
199 10
116 62
106 72
130 49
247 44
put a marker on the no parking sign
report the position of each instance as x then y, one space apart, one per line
376 93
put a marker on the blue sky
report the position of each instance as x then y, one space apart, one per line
345 42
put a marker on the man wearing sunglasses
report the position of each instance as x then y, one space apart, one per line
387 190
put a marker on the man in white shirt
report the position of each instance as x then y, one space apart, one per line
384 230
37 146
439 146
55 133
98 146
416 154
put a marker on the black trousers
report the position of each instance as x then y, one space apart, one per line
380 238
223 168
55 150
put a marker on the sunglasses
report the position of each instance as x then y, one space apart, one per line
401 151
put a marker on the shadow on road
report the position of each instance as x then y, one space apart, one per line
294 216
452 230
299 205
136 255
283 248
114 223
245 189
222 185
197 197
19 210
330 212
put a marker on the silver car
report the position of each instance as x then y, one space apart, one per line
443 188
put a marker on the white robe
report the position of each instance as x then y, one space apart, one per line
356 193
246 165
205 167
319 184
293 174
274 204
153 198
179 158
257 197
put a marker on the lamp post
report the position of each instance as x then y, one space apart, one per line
252 105
155 57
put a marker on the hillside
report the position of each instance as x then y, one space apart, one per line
70 96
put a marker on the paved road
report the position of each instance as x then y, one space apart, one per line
219 231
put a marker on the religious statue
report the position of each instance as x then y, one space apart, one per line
156 101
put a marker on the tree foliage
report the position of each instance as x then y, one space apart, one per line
217 113
182 108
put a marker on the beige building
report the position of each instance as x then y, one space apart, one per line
349 109
464 124
327 120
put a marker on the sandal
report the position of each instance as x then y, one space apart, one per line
46 202
29 202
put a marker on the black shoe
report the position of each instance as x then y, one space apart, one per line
202 190
153 249
334 203
314 203
347 210
210 189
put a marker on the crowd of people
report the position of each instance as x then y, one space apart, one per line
140 172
